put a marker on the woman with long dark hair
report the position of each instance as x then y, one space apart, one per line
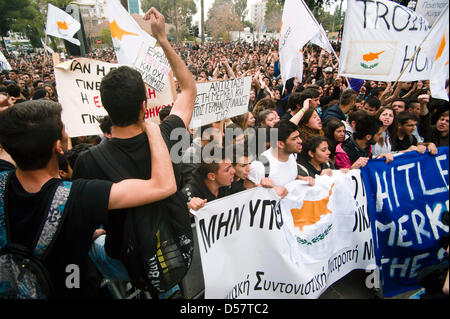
310 124
315 157
335 134
387 115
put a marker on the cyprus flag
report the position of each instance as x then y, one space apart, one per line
126 34
437 47
62 25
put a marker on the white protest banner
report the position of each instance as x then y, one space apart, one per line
4 64
78 85
153 65
55 58
157 101
250 248
380 39
219 100
431 9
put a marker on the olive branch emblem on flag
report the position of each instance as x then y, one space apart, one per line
368 58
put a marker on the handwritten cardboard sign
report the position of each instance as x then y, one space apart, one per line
153 66
220 100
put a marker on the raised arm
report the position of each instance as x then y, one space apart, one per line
138 192
184 104
298 116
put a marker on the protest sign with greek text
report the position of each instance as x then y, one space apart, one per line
153 66
219 100
78 86
250 246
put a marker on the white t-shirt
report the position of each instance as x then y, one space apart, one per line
281 173
348 129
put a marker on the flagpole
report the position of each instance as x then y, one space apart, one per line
45 55
326 37
420 45
45 43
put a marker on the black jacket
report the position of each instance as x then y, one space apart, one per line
333 111
196 187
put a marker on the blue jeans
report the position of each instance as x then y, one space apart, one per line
114 269
110 268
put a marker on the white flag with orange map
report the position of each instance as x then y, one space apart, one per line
298 26
437 44
62 25
321 216
379 41
127 35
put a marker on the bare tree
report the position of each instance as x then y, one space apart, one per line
222 18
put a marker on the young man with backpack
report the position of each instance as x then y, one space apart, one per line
46 225
125 155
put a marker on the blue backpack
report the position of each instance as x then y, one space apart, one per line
22 273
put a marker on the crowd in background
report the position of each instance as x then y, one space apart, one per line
341 123
32 77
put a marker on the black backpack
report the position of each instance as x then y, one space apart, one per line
157 247
22 272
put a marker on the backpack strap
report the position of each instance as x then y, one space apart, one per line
266 164
4 179
100 154
47 234
53 221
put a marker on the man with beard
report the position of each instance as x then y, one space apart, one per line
277 166
356 151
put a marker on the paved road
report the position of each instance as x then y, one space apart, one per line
353 286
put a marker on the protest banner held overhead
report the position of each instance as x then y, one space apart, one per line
157 101
219 100
406 208
78 85
380 41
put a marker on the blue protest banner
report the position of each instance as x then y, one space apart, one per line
406 201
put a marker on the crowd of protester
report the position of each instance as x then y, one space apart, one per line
324 122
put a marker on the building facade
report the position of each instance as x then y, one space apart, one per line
257 14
